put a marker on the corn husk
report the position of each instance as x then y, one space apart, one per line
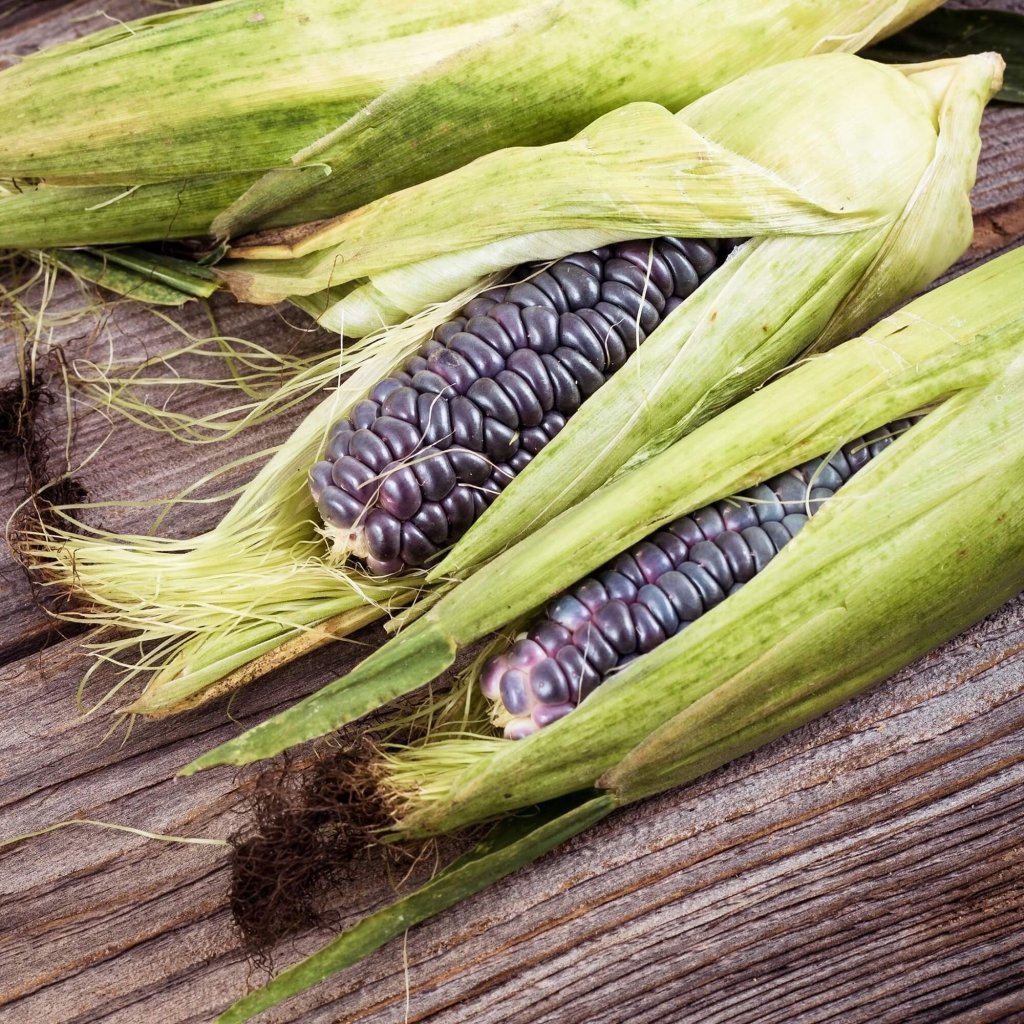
281 111
775 297
923 542
958 339
729 164
149 129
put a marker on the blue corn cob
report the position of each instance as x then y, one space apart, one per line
659 587
419 460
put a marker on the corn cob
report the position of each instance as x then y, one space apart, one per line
659 587
420 459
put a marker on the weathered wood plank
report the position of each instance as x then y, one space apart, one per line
30 25
870 864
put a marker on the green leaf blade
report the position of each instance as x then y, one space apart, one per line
415 657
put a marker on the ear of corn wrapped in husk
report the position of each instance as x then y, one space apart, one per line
924 541
669 395
951 340
867 176
201 616
282 111
660 586
879 210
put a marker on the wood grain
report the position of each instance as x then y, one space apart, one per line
866 868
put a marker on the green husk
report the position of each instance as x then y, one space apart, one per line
148 130
217 118
926 540
956 339
143 276
639 172
617 51
215 55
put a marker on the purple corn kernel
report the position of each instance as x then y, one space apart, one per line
513 691
416 548
549 285
579 287
400 493
591 593
383 535
364 413
366 447
709 521
545 715
355 478
651 561
320 478
434 473
338 445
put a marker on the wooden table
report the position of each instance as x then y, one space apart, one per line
869 867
